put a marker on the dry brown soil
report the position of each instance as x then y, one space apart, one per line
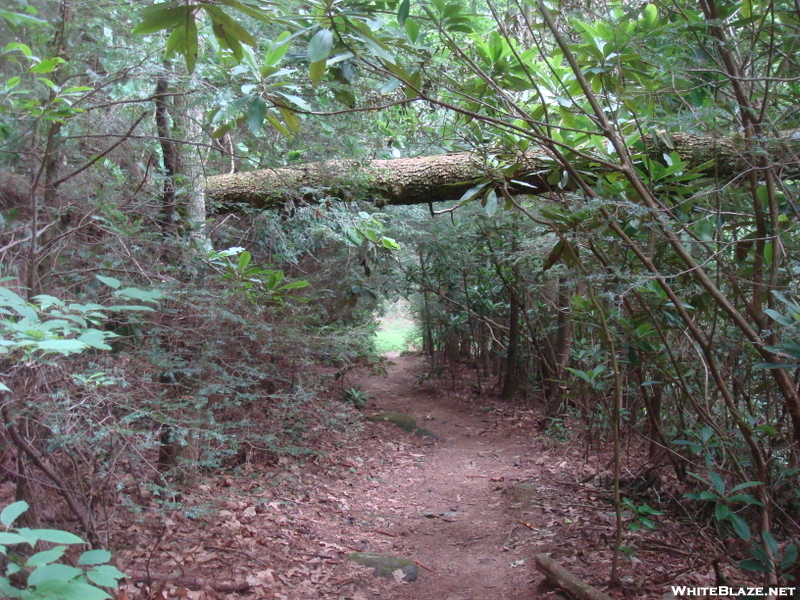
471 508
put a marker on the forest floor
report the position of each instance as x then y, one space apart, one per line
470 507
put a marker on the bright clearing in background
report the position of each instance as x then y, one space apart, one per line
396 330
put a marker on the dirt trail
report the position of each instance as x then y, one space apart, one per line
454 509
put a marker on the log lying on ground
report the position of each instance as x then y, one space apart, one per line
406 181
567 581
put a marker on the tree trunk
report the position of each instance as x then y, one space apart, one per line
406 181
192 161
169 156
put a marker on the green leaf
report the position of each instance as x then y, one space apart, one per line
295 285
722 511
47 66
10 514
473 192
56 571
789 556
45 558
123 307
650 16
389 243
769 542
191 47
244 260
719 484
137 294
256 111
7 538
158 20
745 485
278 50
753 565
56 536
69 590
64 347
94 557
412 30
227 40
232 30
741 528
746 498
316 71
491 204
402 12
105 575
320 46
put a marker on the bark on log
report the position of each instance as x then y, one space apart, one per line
406 181
567 581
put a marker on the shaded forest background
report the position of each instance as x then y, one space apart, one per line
613 239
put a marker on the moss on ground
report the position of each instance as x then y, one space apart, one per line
404 422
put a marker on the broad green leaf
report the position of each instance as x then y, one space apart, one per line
94 338
244 260
789 556
320 46
94 557
719 484
56 571
227 40
63 346
650 16
105 575
109 281
10 514
722 511
46 557
137 294
740 526
56 536
769 542
295 285
256 111
7 538
746 498
473 192
69 590
746 484
279 126
47 66
278 50
232 29
158 20
491 203
249 10
389 243
191 44
316 71
402 12
753 565
18 46
412 30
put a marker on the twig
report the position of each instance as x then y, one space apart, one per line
419 564
382 532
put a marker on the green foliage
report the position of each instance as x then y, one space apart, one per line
44 576
355 396
260 285
29 331
640 515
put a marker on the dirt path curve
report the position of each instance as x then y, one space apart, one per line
453 508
